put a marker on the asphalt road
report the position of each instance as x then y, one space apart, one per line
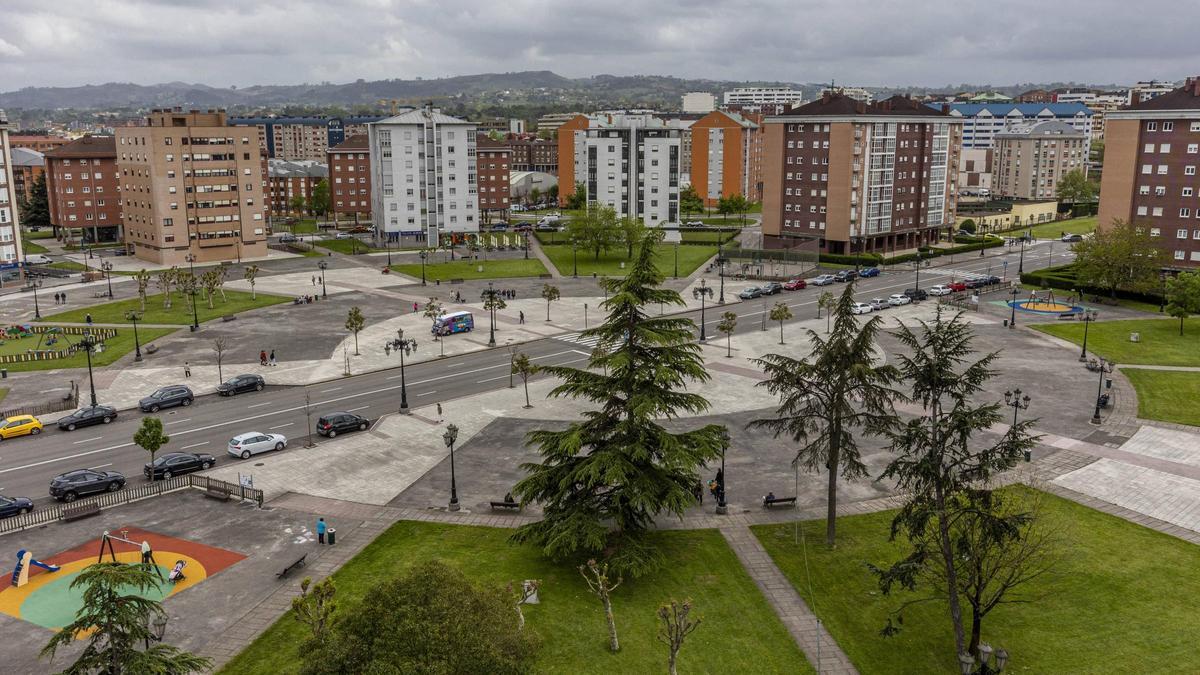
27 464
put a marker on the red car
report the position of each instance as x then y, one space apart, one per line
957 286
795 285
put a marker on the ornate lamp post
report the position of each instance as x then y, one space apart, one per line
575 257
701 293
721 273
917 283
34 283
1017 402
1012 319
156 628
991 662
107 267
402 346
323 266
449 437
424 254
489 297
191 261
722 508
1021 260
134 317
1089 315
87 343
1106 368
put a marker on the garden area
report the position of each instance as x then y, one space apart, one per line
469 269
114 348
1078 619
1159 343
1167 395
739 632
179 313
609 263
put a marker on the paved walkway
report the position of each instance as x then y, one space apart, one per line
536 248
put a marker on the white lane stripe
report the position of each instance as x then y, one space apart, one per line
326 391
99 466
361 407
502 377
179 421
259 405
427 393
87 440
280 426
194 445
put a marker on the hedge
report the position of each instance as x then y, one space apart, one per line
692 237
1063 278
864 259
927 253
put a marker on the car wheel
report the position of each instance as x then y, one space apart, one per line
245 454
71 427
166 475
258 387
279 446
23 511
362 427
331 434
35 432
187 402
154 408
114 486
106 420
205 466
69 497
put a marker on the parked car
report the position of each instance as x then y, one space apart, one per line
860 308
288 238
359 229
499 226
694 223
868 272
86 417
957 286
940 290
993 280
916 293
522 227
14 506
845 275
751 292
167 397
69 486
20 425
771 288
975 282
241 383
795 285
879 303
332 424
1072 238
37 259
516 208
897 299
252 443
823 280
343 235
175 463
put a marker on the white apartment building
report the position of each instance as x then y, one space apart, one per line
982 121
1144 91
423 174
763 96
10 239
857 93
698 102
633 164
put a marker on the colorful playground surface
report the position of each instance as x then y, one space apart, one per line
48 600
1047 304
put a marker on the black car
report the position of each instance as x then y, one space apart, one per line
335 423
916 293
14 506
175 463
845 275
167 397
69 486
977 282
751 293
86 417
500 226
241 383
771 288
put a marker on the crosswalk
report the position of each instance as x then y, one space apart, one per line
579 339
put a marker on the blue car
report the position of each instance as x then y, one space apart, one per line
869 272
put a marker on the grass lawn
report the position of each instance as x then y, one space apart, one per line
67 265
467 269
1160 345
609 264
40 234
303 226
28 247
1055 230
739 633
1167 395
1114 605
179 313
114 349
346 246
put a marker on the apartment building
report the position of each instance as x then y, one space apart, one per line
423 175
1031 158
28 166
1151 155
10 228
1036 96
192 185
534 154
982 121
975 172
727 156
631 162
83 186
1144 91
350 178
860 177
550 122
493 160
698 102
38 143
763 96
853 92
289 181
305 138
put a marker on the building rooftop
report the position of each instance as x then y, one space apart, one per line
840 105
1025 109
313 120
356 143
27 157
423 115
1186 97
1043 128
282 168
87 146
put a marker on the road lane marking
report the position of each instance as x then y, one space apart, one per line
427 393
194 445
280 426
259 405
361 407
99 466
326 391
87 440
180 421
59 459
501 377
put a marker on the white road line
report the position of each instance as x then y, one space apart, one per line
194 445
259 405
361 407
427 393
59 459
99 466
326 391
501 377
280 426
87 440
179 421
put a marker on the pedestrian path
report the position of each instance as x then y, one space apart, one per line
579 339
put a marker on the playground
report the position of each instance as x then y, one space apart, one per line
1046 304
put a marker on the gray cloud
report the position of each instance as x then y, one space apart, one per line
868 42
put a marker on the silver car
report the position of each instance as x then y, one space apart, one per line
252 443
823 280
879 303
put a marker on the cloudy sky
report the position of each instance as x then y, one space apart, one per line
856 42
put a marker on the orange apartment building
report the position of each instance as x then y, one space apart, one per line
84 190
192 186
350 178
568 173
727 156
38 143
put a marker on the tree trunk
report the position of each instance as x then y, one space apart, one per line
976 630
356 343
780 332
252 295
835 452
671 662
526 381
1181 326
612 625
951 574
547 310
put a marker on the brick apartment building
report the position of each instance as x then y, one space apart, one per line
10 240
28 166
493 159
860 177
304 138
38 143
350 179
534 154
84 190
727 155
192 185
288 180
1031 158
1151 155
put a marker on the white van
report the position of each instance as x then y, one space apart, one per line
37 259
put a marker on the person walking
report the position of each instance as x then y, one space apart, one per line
88 318
439 409
146 555
522 320
414 308
314 280
64 298
187 370
262 358
321 530
273 357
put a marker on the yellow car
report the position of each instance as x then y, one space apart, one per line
20 425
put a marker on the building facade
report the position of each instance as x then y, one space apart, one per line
493 160
304 138
727 156
350 179
28 166
763 96
534 154
860 177
1031 158
1151 155
192 186
982 121
83 186
10 227
423 175
698 102
289 182
38 143
975 172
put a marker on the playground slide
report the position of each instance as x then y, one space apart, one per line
20 574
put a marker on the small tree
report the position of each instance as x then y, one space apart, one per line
825 301
599 583
220 275
166 279
781 313
549 294
143 284
355 323
296 203
535 196
315 609
1120 256
689 201
578 197
320 198
150 436
739 205
219 346
208 281
521 593
630 231
967 226
251 275
727 325
724 207
1183 296
1075 187
522 367
675 629
36 211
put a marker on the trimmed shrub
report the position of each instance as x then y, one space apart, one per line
967 226
862 259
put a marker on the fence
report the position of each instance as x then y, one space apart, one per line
128 496
68 402
100 334
771 264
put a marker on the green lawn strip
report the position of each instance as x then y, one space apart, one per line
28 247
468 269
114 348
739 633
1116 602
304 226
1055 230
67 265
346 246
40 234
1167 395
609 264
1159 345
179 313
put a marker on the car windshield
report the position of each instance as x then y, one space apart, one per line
161 393
161 460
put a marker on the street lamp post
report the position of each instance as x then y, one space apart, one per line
323 266
133 317
449 437
1021 260
917 283
403 346
87 343
156 629
424 254
489 298
676 260
37 310
722 507
1017 402
574 258
107 267
191 261
721 273
991 662
1012 319
1106 368
1162 298
387 243
701 293
1089 315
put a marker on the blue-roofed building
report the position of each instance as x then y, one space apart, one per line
305 138
982 121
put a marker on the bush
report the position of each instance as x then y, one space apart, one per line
1063 277
968 226
862 259
927 253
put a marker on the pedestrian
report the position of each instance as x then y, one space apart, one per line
273 357
321 530
522 317
56 298
146 556
88 318
64 298
439 408
314 280
262 358
414 307
187 370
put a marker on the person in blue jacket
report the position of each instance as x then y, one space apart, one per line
320 530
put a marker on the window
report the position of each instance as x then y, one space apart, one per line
1164 148
1147 169
1162 169
1193 148
1181 234
1160 191
1154 232
1187 192
1189 170
1151 126
1144 190
1168 126
1195 126
1157 212
1186 212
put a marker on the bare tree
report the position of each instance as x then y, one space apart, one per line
220 275
166 279
251 275
727 325
522 593
522 366
220 345
596 576
676 627
143 283
210 281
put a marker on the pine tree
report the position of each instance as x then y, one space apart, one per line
35 212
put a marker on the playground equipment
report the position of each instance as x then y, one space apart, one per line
20 575
147 552
1047 304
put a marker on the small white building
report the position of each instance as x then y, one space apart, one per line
10 239
522 183
763 96
699 102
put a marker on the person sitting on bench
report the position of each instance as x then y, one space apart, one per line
508 498
176 574
770 497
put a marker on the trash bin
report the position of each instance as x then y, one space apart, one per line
1135 337
330 535
1006 323
3 373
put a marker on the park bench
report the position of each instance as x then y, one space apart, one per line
506 505
545 276
456 281
1069 316
218 492
289 568
229 317
768 502
81 510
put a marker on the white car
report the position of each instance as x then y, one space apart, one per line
252 443
823 280
37 259
516 208
940 290
860 308
897 299
343 235
878 304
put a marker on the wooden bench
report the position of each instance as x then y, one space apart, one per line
218 492
506 505
289 568
76 511
778 501
1069 316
